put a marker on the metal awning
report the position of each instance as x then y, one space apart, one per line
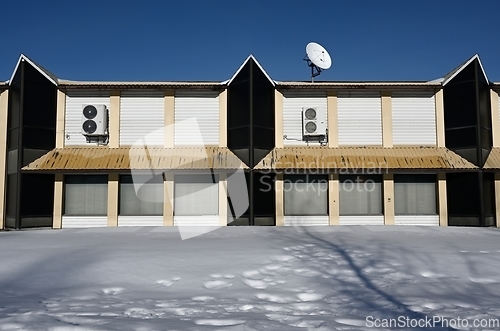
95 159
351 158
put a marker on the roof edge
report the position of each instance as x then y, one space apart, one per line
144 84
52 78
258 64
357 84
452 74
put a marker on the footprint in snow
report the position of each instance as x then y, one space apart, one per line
202 298
219 322
112 290
274 298
216 284
252 274
430 274
304 297
166 282
222 276
256 284
307 272
284 258
483 280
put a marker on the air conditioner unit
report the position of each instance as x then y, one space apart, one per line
94 120
313 122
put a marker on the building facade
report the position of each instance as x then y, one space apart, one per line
249 151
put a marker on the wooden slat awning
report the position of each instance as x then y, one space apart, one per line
127 158
493 160
394 158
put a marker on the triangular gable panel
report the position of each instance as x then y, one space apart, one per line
52 78
461 67
257 63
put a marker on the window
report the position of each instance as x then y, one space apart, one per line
360 195
86 195
305 195
147 200
415 194
196 195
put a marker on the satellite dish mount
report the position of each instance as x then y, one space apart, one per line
317 59
315 70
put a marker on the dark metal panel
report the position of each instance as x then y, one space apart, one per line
463 198
251 132
31 131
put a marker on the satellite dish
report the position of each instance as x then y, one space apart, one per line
317 58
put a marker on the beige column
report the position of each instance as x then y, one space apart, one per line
60 117
58 201
438 97
333 197
495 119
114 119
113 187
280 197
497 198
168 199
223 119
442 202
169 119
278 119
222 200
388 199
4 103
386 118
333 119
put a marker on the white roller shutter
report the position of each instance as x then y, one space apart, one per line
413 118
142 113
210 220
293 102
202 106
84 221
73 116
196 200
359 118
306 220
140 220
361 220
421 220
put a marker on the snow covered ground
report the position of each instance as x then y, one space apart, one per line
242 278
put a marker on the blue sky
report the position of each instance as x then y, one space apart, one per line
154 40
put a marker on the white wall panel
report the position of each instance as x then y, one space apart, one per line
413 118
84 221
73 116
428 220
142 113
359 118
202 106
211 220
361 220
306 220
140 220
293 102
